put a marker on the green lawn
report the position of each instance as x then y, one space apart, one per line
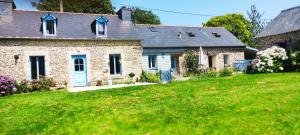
244 104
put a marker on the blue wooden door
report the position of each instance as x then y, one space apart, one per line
79 70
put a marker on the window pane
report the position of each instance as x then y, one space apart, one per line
111 64
225 59
81 61
101 28
33 67
76 61
152 61
77 68
50 27
42 66
118 64
81 67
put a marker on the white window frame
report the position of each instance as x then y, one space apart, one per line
115 62
150 62
228 60
45 25
101 19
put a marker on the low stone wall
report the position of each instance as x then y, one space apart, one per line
58 58
291 40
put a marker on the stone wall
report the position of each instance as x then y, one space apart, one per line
290 39
58 58
233 53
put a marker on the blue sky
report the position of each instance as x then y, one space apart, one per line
270 8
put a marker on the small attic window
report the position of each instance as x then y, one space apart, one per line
49 25
101 26
216 34
191 34
153 29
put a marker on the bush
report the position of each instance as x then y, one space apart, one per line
22 87
150 77
271 59
191 60
208 74
7 85
43 84
226 72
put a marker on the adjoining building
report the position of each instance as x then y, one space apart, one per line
283 31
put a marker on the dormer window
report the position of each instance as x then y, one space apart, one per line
101 27
49 25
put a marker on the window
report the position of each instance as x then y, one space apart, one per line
152 61
37 67
101 26
49 25
226 60
115 64
153 29
79 64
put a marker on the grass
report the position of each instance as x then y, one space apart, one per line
243 104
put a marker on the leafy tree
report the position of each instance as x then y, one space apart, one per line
141 16
257 24
237 24
77 6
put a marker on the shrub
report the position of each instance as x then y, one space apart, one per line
208 74
43 84
150 77
226 72
22 87
191 60
7 85
271 59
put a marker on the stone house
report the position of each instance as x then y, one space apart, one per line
81 49
85 49
283 31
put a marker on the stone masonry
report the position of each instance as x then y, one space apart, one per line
289 41
58 58
233 53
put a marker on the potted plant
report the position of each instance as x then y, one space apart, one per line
131 75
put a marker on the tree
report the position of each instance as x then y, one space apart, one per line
257 24
77 6
237 24
141 16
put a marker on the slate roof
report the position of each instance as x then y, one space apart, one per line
27 24
167 36
287 21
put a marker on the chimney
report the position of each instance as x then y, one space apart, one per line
125 13
61 5
6 7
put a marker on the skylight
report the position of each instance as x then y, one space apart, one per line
153 29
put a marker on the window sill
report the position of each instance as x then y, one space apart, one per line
116 76
152 68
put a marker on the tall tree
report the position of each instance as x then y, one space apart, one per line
77 6
141 16
237 24
257 23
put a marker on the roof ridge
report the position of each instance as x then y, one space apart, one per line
154 25
62 12
289 9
